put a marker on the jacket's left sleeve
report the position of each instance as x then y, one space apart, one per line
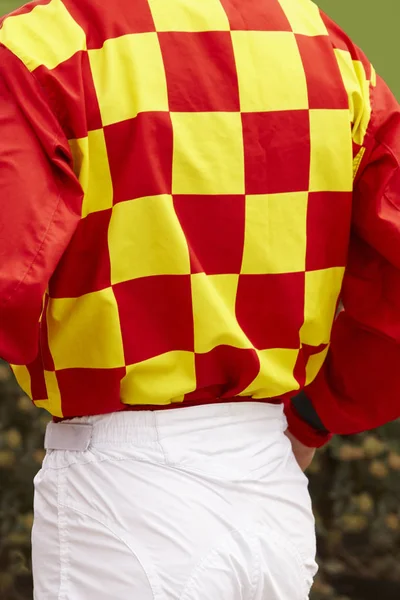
358 387
40 206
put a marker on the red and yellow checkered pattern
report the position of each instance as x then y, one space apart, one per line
214 144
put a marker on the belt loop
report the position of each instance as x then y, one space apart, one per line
68 436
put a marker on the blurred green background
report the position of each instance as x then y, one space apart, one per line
7 6
355 482
374 26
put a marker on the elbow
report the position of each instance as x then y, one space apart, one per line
19 345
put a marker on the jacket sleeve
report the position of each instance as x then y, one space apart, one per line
358 387
40 200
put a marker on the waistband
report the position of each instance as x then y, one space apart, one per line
144 427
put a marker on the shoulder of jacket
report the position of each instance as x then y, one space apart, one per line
42 34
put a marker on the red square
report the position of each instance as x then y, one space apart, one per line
90 391
38 383
224 372
156 316
328 229
255 15
140 156
85 265
72 95
214 228
324 81
270 309
201 71
276 151
102 21
306 351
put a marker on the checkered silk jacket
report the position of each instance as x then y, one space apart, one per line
187 191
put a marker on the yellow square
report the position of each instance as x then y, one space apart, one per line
85 332
331 168
129 77
160 380
53 404
314 365
278 85
147 231
304 17
276 375
177 15
93 171
362 104
45 404
208 153
275 234
23 378
215 323
321 296
46 36
357 88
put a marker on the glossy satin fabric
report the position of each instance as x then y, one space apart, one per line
186 194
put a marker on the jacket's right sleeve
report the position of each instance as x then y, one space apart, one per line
358 387
40 206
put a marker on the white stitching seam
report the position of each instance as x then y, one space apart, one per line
257 572
63 537
167 462
202 565
284 543
294 551
156 591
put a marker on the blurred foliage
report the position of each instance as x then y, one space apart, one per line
355 486
21 452
354 482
